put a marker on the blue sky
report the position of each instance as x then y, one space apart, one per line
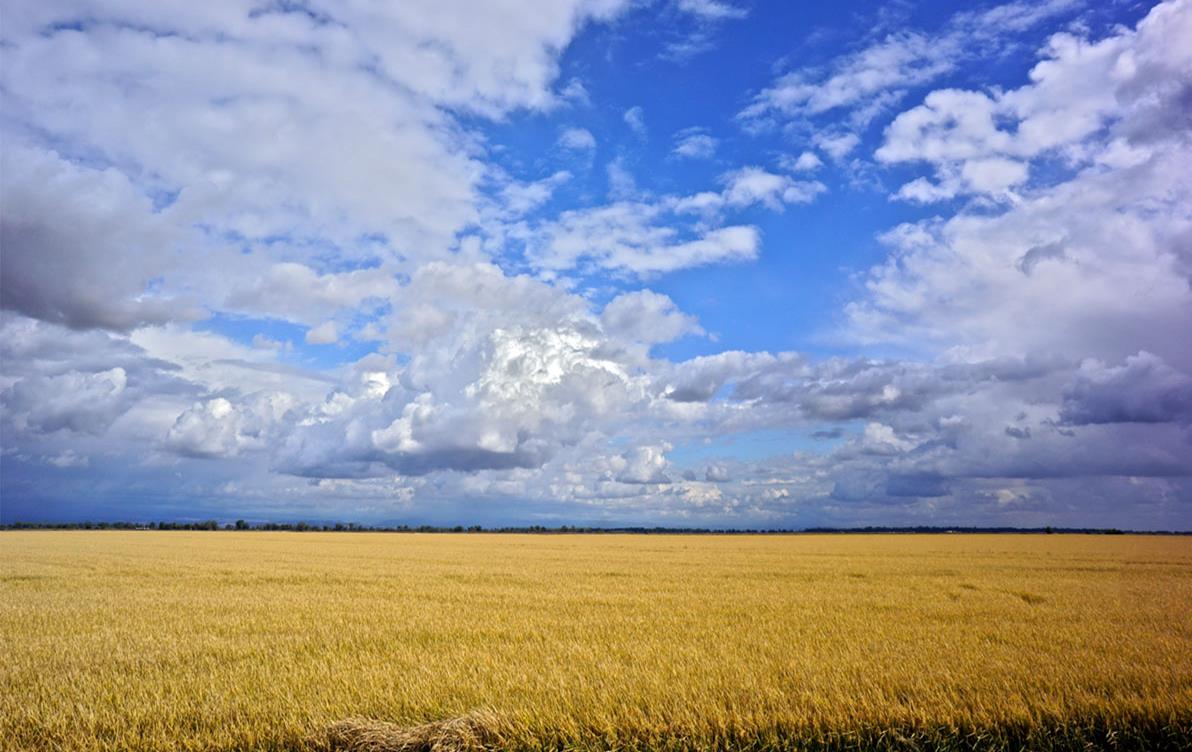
676 262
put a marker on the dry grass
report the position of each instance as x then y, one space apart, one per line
258 641
470 733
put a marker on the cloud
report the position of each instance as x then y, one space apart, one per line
631 237
702 18
427 46
216 364
874 78
494 399
1018 433
621 183
695 146
218 427
264 342
323 334
712 10
74 401
994 177
753 185
716 474
1101 247
785 388
444 303
1038 254
325 124
337 174
635 118
648 317
59 382
575 92
837 145
646 237
644 464
520 198
807 161
82 246
1115 285
504 372
298 293
68 458
978 141
1144 389
899 61
577 139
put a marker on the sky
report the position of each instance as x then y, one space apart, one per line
709 263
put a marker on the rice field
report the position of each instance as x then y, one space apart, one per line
321 641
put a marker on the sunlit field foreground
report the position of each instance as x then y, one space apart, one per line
283 641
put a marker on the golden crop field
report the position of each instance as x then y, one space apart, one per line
285 641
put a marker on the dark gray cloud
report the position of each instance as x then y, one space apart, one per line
81 246
62 380
838 388
1038 254
1144 389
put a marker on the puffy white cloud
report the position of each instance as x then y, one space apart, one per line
503 373
949 125
977 140
444 51
1104 254
287 129
514 397
753 185
994 177
217 427
807 161
647 316
645 464
254 115
456 305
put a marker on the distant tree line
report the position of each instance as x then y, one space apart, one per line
353 527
